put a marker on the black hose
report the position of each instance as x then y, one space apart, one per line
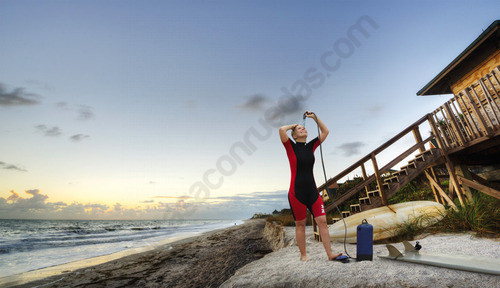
326 188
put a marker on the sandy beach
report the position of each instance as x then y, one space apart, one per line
241 256
284 269
203 261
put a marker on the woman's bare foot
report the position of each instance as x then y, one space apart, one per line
304 258
333 257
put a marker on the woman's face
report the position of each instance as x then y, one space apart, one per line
299 131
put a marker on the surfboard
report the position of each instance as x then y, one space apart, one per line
459 262
386 219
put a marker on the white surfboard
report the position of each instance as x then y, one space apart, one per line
386 219
460 262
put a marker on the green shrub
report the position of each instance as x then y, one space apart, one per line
482 216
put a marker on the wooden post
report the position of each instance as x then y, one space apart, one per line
418 137
448 163
363 171
379 180
316 234
463 172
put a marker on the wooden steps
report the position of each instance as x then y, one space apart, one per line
395 182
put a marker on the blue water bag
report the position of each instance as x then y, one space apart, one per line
364 243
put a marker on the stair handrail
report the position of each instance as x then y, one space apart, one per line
374 152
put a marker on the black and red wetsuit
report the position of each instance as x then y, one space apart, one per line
303 193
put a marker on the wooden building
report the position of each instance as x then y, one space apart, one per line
465 136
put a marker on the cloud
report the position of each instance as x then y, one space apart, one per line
36 201
51 132
17 97
351 148
85 112
254 102
13 197
78 137
286 106
6 166
36 206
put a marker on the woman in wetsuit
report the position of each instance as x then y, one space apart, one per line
303 193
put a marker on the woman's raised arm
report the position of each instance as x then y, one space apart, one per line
283 129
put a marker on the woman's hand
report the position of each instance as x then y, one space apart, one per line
310 114
283 129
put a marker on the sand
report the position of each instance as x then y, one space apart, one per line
240 257
284 269
204 261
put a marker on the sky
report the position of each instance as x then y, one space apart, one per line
171 109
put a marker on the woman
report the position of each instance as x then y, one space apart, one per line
303 193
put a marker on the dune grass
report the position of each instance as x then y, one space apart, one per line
480 216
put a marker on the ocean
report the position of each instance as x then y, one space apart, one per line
27 245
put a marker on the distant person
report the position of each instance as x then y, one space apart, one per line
303 193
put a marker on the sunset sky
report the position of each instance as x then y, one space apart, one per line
143 109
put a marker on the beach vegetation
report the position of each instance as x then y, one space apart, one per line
480 216
285 218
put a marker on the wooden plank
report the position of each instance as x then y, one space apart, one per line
363 171
483 181
462 171
441 191
448 127
481 69
491 75
418 138
482 106
448 164
461 120
454 124
445 142
437 196
468 117
489 99
476 113
379 180
480 187
474 142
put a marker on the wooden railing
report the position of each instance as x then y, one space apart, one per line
471 114
372 156
469 117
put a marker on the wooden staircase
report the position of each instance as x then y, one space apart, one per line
395 182
469 122
392 184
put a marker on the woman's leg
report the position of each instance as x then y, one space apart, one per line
325 236
300 236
